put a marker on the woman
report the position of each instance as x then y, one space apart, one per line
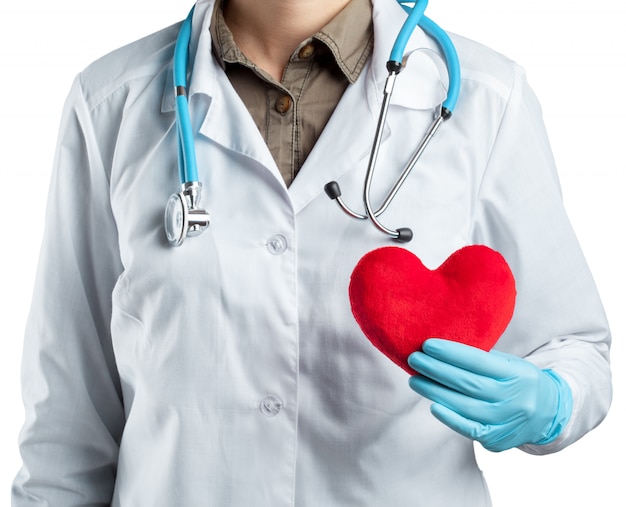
230 371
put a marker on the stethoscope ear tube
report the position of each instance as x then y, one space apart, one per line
394 66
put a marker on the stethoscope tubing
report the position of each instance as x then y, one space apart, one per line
187 164
451 57
416 17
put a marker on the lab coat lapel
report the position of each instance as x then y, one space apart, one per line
344 144
217 112
346 141
226 120
228 123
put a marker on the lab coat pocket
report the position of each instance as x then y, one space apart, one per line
157 347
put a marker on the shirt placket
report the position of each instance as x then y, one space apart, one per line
283 113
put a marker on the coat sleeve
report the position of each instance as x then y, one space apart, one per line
559 321
71 391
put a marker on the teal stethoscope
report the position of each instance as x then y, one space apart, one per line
183 215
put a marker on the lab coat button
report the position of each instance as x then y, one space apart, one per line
270 406
277 244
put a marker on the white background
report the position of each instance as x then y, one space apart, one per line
575 55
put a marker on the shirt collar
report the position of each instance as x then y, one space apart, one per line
348 36
387 17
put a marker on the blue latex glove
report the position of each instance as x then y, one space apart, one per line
498 399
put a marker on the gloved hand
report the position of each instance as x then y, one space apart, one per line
498 399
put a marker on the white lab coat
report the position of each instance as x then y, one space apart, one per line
229 371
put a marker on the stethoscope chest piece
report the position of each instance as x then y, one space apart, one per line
183 217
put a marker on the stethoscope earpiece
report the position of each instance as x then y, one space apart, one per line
333 190
404 235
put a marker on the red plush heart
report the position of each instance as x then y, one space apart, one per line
399 303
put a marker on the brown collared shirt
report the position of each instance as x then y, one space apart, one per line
292 114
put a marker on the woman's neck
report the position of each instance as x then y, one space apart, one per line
268 31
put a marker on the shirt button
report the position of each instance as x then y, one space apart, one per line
270 406
306 51
277 244
283 104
